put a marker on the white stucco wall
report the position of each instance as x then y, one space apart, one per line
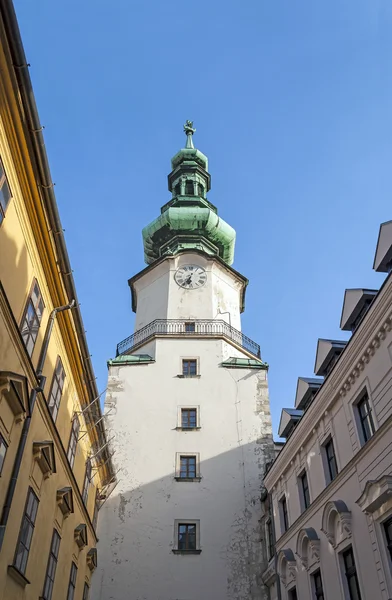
136 524
159 296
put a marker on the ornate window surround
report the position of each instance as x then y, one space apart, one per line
336 523
308 548
287 567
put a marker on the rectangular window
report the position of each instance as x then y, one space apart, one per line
188 467
305 490
293 594
351 575
188 418
388 535
3 452
86 590
187 536
96 509
32 318
270 539
72 582
73 440
365 417
26 532
284 518
5 192
87 478
190 327
52 565
318 586
56 389
331 460
189 367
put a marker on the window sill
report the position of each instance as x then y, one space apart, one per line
184 552
188 376
187 479
188 428
17 575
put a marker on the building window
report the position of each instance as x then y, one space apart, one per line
52 565
73 440
388 535
318 586
189 188
284 518
270 539
189 367
200 190
56 389
87 478
72 582
3 452
331 460
32 318
5 192
305 490
187 467
293 594
188 418
365 418
351 575
86 590
190 327
26 532
96 509
177 189
187 536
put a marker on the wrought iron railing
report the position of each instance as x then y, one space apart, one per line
200 327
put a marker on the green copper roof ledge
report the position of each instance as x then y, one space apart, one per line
189 220
130 359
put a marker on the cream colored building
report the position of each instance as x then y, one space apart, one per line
55 466
330 487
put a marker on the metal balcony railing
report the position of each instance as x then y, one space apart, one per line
188 328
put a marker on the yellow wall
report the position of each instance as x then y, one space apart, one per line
27 252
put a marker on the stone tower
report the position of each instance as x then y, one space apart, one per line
188 404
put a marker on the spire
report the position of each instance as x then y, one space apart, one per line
189 131
189 220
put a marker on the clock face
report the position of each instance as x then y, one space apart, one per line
190 277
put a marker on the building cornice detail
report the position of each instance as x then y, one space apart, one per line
358 352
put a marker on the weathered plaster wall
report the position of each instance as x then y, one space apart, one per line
136 525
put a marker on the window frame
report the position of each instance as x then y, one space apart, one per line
96 510
305 490
31 523
387 540
292 593
188 455
190 326
3 444
86 481
317 592
186 522
187 373
187 409
354 574
51 572
59 381
4 181
327 460
73 575
86 591
35 317
364 398
283 514
72 447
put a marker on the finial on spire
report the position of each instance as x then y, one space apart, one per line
189 130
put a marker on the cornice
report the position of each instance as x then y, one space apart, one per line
359 351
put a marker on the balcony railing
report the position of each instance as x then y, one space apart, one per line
188 328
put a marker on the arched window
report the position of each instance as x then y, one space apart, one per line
177 189
200 190
189 189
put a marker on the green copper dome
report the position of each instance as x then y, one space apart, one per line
189 220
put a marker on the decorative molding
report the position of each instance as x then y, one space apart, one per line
287 566
92 559
375 494
336 522
43 454
64 498
269 575
80 535
308 547
13 388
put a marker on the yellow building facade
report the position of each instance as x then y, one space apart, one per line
55 464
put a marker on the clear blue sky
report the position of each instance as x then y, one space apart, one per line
292 102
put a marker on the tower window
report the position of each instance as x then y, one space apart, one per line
190 327
188 467
189 367
177 189
200 189
188 418
189 188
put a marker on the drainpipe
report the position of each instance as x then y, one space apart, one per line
275 554
27 422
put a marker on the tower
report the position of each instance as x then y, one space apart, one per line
188 404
